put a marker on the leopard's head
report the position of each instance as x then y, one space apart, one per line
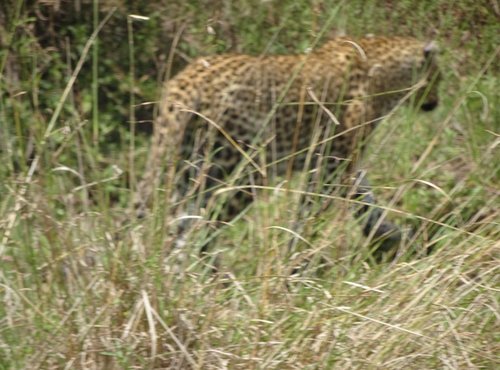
427 94
403 69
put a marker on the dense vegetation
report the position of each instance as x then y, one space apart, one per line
85 285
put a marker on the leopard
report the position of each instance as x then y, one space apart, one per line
238 121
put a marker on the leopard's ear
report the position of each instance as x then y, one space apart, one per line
431 49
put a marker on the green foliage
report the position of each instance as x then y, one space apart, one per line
84 284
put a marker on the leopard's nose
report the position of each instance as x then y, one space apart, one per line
430 105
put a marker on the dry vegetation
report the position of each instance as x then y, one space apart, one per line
82 285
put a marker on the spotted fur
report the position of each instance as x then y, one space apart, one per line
272 111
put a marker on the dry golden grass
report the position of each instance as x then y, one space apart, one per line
84 286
